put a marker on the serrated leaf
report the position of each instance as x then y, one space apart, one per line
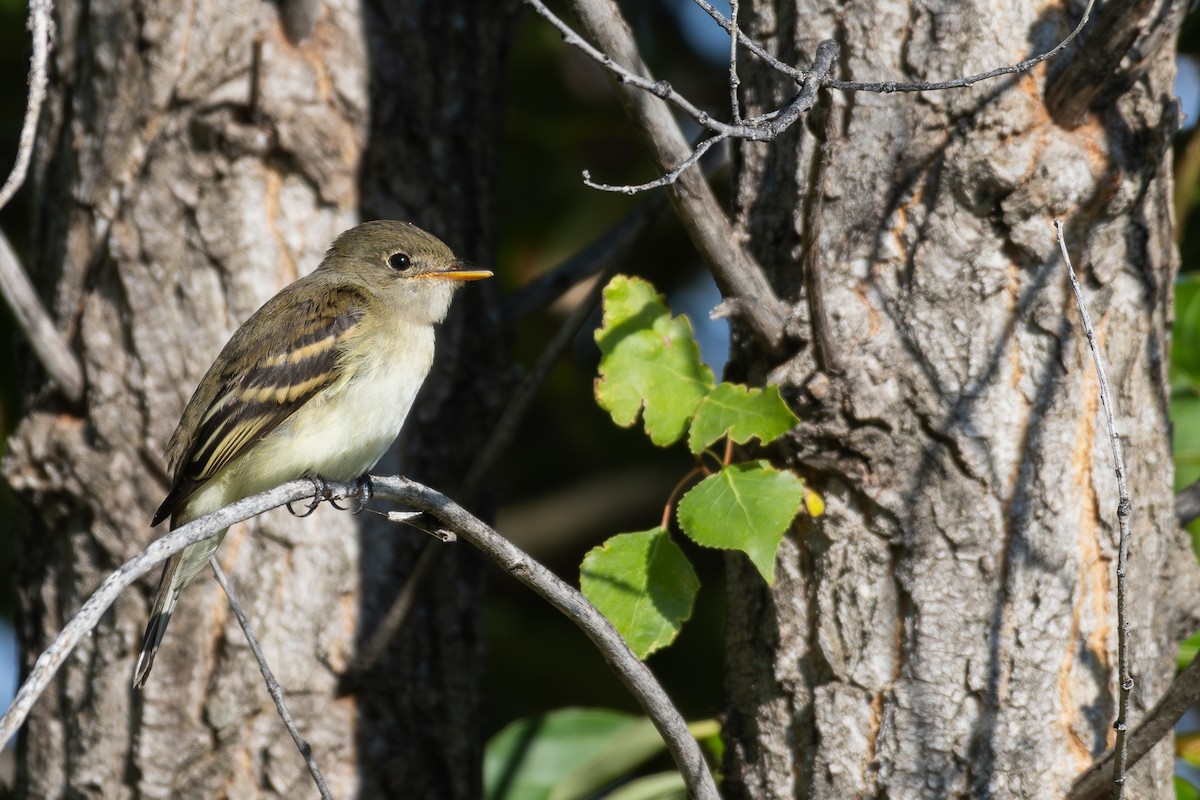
643 583
745 507
742 414
531 756
649 363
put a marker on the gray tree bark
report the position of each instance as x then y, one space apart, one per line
947 629
192 160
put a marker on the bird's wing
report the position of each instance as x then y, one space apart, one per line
276 362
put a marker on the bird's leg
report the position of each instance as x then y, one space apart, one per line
363 492
320 492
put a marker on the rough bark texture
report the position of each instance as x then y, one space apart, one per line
948 628
182 180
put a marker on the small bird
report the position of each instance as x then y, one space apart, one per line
316 383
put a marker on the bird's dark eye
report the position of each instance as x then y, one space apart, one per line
399 262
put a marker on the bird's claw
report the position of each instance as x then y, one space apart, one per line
363 492
320 492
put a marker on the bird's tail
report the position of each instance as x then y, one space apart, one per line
160 615
179 571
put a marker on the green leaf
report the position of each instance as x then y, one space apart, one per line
644 584
745 507
732 410
661 786
1185 337
636 743
1188 649
649 360
1185 790
530 757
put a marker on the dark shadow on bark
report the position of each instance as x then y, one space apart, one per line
435 75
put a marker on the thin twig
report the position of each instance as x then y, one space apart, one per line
40 28
49 662
736 272
604 250
759 129
1158 723
666 179
1073 91
754 47
768 126
505 428
636 676
735 108
1123 512
1187 504
887 87
272 685
34 321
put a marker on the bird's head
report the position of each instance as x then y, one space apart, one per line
405 266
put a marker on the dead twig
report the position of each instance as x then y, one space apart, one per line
273 688
1124 509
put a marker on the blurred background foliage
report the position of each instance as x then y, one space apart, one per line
572 479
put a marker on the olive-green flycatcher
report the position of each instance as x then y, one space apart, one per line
315 384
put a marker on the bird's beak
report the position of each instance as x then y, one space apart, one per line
459 271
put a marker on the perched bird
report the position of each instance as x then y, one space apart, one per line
315 384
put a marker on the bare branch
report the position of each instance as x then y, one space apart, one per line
760 129
34 321
38 25
735 107
1123 511
506 427
666 180
633 673
368 655
636 676
735 271
157 551
1187 504
1158 723
1072 92
754 47
888 87
272 684
594 258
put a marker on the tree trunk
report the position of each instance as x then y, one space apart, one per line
947 629
191 162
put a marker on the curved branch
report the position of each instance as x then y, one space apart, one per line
1158 723
34 321
636 676
39 26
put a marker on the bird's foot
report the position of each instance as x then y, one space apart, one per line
362 494
321 492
